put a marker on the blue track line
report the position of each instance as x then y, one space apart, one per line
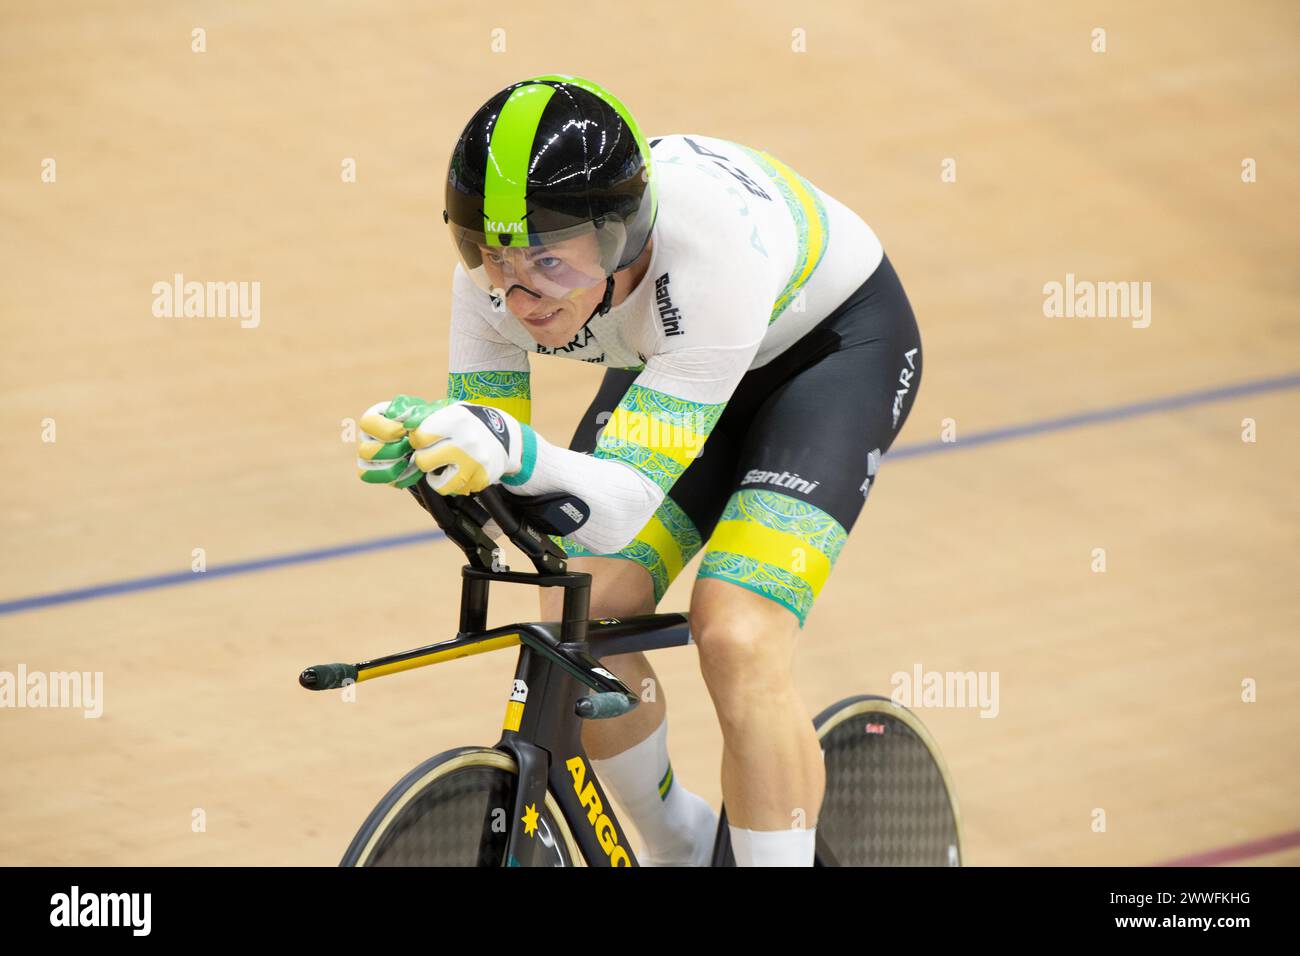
1115 413
225 570
1011 432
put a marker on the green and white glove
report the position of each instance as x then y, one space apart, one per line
467 447
384 452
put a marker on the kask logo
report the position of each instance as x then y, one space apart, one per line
505 226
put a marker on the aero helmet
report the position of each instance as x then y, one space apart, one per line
550 190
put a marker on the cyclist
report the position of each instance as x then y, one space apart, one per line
760 358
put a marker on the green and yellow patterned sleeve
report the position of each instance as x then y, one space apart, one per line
657 434
507 391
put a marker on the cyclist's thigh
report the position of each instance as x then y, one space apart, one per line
813 450
619 588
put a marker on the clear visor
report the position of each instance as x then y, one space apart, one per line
557 265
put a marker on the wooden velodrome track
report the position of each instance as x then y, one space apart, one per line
1119 691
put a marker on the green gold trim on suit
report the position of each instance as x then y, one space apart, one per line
812 226
681 412
508 391
777 546
656 433
765 580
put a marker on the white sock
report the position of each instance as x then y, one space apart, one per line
678 827
773 847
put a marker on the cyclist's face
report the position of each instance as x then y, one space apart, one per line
550 289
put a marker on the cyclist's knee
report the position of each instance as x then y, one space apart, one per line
745 655
731 653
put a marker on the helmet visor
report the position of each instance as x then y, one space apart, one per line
556 265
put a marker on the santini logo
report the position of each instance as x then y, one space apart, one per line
103 909
782 479
669 314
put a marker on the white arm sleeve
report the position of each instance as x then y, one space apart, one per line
621 499
625 482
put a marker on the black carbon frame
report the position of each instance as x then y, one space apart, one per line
550 736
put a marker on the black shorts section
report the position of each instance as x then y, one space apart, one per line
811 424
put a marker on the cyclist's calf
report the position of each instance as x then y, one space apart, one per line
772 772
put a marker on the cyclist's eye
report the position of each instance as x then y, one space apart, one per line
547 262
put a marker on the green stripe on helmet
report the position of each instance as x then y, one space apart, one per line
509 153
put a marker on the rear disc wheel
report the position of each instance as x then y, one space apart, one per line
889 799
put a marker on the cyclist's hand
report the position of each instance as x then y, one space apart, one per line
467 447
384 453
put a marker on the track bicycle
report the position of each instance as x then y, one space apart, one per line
533 799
